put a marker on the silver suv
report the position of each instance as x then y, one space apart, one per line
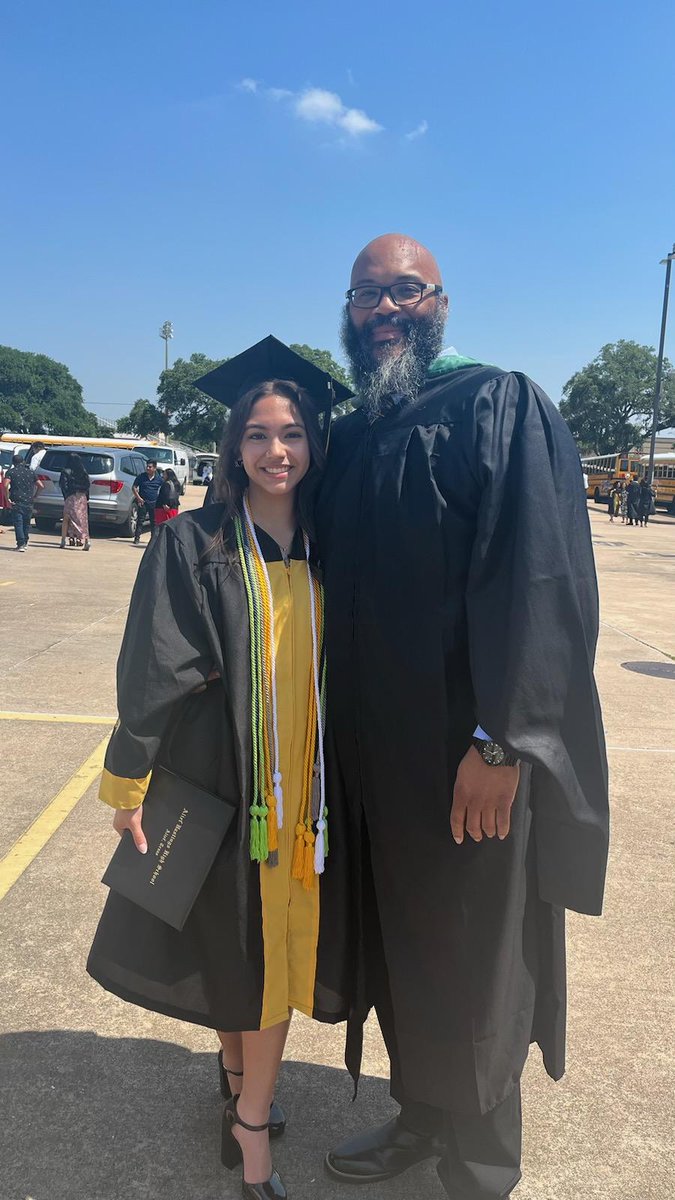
111 473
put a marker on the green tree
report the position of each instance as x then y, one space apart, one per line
145 418
39 395
608 404
193 416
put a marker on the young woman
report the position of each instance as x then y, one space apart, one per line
74 484
168 498
221 679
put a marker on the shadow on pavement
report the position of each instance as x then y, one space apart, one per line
94 1118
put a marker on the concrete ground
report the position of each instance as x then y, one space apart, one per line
103 1101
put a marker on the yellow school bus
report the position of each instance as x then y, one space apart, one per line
664 479
603 469
52 439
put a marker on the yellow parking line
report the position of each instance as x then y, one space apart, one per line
60 718
29 845
7 582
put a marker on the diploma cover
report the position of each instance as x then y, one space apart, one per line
184 827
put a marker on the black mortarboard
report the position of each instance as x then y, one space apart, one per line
271 359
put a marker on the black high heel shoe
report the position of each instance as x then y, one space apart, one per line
277 1114
231 1155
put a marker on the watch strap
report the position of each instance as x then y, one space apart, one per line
487 751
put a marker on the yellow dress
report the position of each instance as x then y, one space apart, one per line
290 913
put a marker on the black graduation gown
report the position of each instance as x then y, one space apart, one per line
634 499
188 615
460 590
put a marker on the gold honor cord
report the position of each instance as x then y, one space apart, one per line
266 810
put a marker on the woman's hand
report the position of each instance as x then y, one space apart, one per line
131 819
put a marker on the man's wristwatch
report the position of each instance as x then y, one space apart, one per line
493 754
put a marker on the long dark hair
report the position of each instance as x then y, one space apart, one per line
77 469
231 480
171 476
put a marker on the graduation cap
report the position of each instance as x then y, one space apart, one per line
272 359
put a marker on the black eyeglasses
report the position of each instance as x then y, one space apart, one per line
408 292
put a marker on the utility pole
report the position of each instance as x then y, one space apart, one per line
166 332
668 260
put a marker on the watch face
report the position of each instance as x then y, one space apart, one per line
493 754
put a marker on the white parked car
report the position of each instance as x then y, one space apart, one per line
175 457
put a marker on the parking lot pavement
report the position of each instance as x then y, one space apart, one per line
103 1101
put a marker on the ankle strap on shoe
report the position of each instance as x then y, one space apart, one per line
228 1069
237 1120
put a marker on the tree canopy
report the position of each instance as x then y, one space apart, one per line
608 403
39 395
182 411
188 415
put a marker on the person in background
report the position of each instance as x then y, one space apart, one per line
23 483
35 454
633 502
646 505
168 498
210 493
146 490
623 501
614 500
5 506
74 484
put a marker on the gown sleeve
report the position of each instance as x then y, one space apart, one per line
532 613
165 655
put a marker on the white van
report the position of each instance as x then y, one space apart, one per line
175 457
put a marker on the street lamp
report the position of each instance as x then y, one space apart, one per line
166 332
668 260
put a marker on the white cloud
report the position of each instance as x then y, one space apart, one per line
418 132
317 106
355 122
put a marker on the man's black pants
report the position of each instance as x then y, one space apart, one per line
146 510
482 1156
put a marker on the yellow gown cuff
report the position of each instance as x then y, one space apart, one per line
122 793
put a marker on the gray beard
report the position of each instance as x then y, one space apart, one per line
393 374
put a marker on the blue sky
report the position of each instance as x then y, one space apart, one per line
219 165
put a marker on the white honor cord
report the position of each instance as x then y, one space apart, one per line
319 845
276 775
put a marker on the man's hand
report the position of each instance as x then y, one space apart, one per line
131 818
482 798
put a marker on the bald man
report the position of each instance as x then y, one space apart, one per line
461 622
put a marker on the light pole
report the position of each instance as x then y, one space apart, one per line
166 332
668 260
